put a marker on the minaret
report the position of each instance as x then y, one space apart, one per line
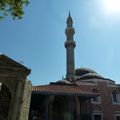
70 45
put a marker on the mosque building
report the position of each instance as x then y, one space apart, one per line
82 95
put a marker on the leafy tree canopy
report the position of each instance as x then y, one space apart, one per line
13 8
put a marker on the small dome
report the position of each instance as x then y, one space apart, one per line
83 71
61 82
87 73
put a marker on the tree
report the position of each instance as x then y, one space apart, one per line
13 8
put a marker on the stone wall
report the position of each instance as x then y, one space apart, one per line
26 101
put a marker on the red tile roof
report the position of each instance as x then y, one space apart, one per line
61 90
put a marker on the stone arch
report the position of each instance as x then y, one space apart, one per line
8 83
5 100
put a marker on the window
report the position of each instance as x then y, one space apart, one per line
96 100
117 117
34 118
115 97
97 116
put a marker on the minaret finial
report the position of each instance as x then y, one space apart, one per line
69 13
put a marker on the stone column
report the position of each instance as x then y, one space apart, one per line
69 108
51 99
26 97
46 107
17 102
78 108
90 109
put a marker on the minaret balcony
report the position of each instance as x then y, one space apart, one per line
70 43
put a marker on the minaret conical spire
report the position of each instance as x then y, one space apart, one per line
69 13
69 20
70 45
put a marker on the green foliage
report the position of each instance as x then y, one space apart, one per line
13 8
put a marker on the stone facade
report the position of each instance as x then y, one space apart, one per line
106 106
13 90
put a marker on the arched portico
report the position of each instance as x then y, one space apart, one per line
61 102
12 79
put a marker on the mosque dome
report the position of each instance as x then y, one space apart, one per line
87 73
82 71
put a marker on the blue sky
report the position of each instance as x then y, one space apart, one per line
38 39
